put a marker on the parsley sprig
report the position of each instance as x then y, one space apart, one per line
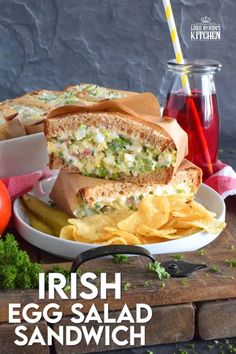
16 269
120 258
159 270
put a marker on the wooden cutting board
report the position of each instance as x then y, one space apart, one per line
182 300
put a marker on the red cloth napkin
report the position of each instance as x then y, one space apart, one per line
19 185
223 181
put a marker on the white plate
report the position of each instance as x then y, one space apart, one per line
23 155
69 249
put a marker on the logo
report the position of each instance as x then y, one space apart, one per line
206 30
206 19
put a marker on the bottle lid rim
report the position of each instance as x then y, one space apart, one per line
197 65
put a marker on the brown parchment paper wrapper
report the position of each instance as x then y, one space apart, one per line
34 128
12 128
67 186
144 107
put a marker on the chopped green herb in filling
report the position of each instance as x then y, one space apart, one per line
58 99
131 201
98 92
29 115
106 154
2 120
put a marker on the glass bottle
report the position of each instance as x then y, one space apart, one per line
192 100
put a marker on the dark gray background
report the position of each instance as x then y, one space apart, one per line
117 43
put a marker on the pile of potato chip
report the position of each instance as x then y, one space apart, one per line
157 219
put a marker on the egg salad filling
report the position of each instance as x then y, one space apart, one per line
106 154
132 202
58 99
29 115
2 119
96 92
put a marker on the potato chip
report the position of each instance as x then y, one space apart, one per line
177 201
150 240
185 211
158 219
111 232
131 223
67 232
155 211
201 210
118 215
116 241
91 226
146 231
70 233
212 226
187 232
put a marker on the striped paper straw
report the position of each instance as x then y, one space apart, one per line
185 81
176 44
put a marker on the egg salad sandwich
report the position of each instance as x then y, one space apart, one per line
47 99
82 196
109 140
94 93
10 125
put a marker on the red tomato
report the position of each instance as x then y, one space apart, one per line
5 207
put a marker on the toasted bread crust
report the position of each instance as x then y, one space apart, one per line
136 128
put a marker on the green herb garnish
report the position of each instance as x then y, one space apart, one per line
177 257
148 284
120 258
231 262
18 272
210 346
183 282
16 269
202 252
159 270
190 345
214 269
182 351
127 286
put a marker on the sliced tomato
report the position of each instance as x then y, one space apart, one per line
5 207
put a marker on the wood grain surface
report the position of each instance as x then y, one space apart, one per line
203 285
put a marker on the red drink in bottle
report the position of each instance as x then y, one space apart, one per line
197 114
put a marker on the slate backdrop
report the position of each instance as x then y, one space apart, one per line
117 43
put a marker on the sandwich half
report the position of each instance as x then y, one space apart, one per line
94 93
112 145
47 99
82 196
10 125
